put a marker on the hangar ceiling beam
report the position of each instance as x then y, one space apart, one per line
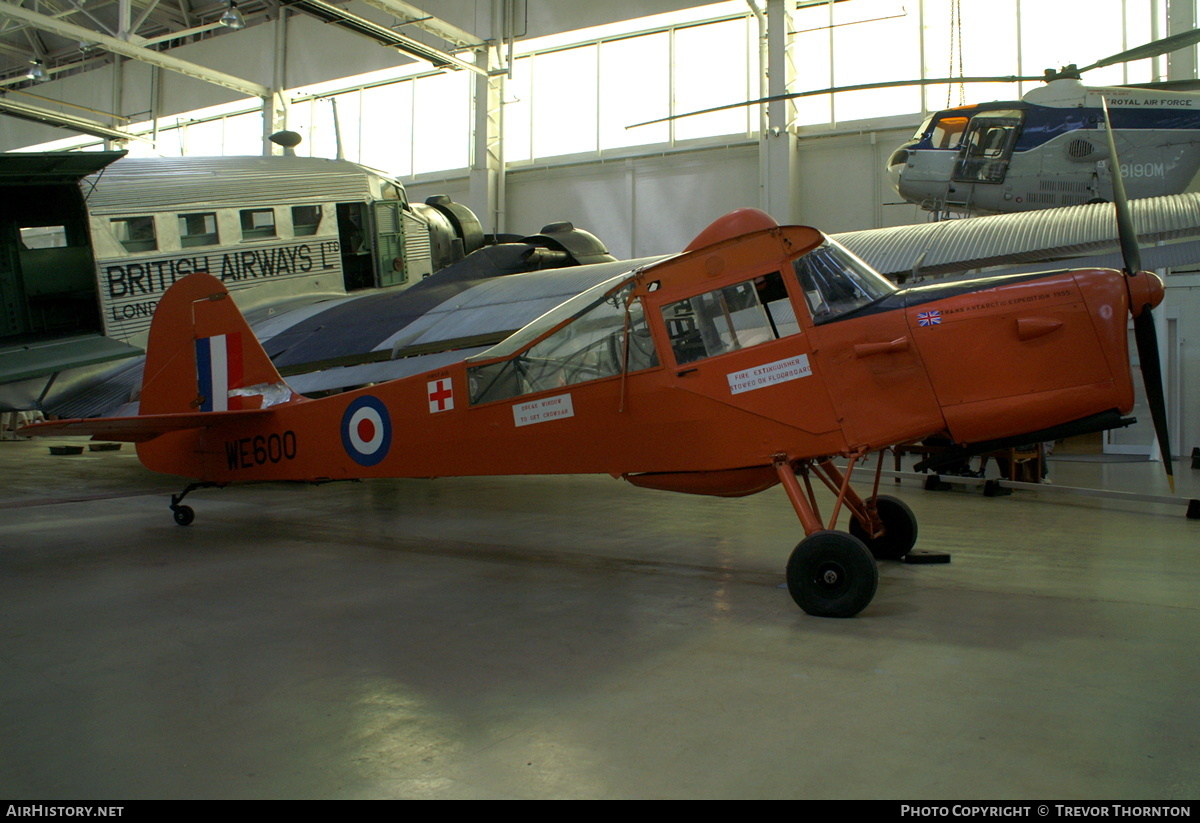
380 34
127 49
37 114
413 16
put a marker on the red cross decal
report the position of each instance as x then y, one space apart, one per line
441 395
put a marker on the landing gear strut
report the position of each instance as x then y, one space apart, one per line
899 528
832 573
184 515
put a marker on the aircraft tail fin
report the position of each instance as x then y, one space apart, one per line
203 357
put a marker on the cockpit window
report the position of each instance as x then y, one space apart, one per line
735 317
592 346
835 282
948 131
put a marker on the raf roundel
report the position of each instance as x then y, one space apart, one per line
366 431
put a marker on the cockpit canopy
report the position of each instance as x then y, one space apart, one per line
604 331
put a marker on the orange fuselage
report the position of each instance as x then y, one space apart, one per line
977 360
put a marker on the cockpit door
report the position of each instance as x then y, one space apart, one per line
863 346
987 147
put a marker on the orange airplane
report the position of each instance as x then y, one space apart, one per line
757 356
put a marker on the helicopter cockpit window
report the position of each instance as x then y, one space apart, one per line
590 347
835 282
948 131
735 317
988 146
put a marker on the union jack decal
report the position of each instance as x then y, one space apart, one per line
929 318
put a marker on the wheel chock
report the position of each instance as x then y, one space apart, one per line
934 483
992 488
921 557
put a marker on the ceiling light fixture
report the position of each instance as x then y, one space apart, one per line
36 72
232 18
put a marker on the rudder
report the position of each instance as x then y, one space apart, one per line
202 356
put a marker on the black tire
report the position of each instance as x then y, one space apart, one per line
831 574
900 529
184 515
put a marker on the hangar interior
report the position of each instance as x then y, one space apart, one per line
550 142
574 637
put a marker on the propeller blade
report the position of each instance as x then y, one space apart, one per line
1126 233
889 84
1153 49
1144 331
1146 335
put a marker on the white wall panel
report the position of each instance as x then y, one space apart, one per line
679 195
318 52
594 197
640 206
843 185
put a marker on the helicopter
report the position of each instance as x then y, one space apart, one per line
1048 149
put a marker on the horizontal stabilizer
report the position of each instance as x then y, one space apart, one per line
136 429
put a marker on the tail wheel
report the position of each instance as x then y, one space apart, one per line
899 525
832 574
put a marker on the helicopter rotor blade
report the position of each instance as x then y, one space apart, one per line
1153 49
1144 330
889 84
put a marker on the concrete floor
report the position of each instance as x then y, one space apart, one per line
579 638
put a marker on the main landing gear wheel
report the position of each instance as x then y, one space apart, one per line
832 574
899 529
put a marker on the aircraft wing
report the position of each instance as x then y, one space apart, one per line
388 336
357 340
137 428
956 246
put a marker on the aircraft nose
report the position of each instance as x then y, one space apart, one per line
1146 290
895 166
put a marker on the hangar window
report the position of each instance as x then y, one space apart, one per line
735 317
135 233
607 335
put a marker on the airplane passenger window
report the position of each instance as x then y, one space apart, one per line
732 318
590 347
199 229
258 224
305 220
44 237
835 282
135 233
